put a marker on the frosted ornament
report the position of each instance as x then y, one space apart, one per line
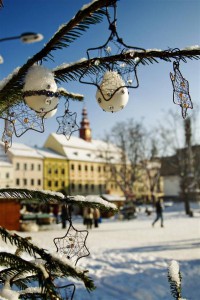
40 91
107 98
49 114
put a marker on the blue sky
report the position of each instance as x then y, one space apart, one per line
160 24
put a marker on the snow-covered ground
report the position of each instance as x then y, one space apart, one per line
129 259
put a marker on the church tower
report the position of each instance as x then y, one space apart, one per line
85 131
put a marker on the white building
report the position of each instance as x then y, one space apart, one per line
27 166
6 169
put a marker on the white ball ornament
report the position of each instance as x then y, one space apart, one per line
39 89
107 98
49 114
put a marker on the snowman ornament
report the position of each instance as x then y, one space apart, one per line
40 91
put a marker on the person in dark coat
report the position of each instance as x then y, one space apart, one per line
55 212
63 215
96 215
159 212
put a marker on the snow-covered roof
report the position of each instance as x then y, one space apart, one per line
22 150
79 149
111 198
48 153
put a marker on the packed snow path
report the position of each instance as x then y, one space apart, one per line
129 259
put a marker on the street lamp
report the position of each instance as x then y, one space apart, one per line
26 37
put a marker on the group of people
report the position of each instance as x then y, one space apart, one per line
91 216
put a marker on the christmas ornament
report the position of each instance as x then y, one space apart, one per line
112 78
23 119
181 94
66 291
72 245
67 122
7 135
112 95
40 91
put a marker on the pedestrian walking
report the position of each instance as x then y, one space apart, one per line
88 216
63 215
159 212
96 215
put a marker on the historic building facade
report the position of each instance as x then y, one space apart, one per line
27 166
80 165
6 169
87 167
55 170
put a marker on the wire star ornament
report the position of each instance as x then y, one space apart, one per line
66 291
7 135
23 119
72 245
67 122
113 46
181 94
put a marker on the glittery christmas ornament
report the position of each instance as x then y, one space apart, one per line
112 95
181 95
40 91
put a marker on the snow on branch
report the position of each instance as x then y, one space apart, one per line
65 269
174 277
54 197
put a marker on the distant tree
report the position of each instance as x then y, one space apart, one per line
138 164
178 139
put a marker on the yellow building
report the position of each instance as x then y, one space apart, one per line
88 170
55 170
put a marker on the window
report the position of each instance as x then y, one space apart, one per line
72 186
92 187
17 181
92 168
72 167
86 187
32 167
7 175
49 183
80 187
49 171
63 171
39 167
56 171
25 181
86 168
25 166
100 187
32 181
63 184
79 167
39 182
56 183
17 166
99 169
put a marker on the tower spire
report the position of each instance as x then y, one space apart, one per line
85 131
